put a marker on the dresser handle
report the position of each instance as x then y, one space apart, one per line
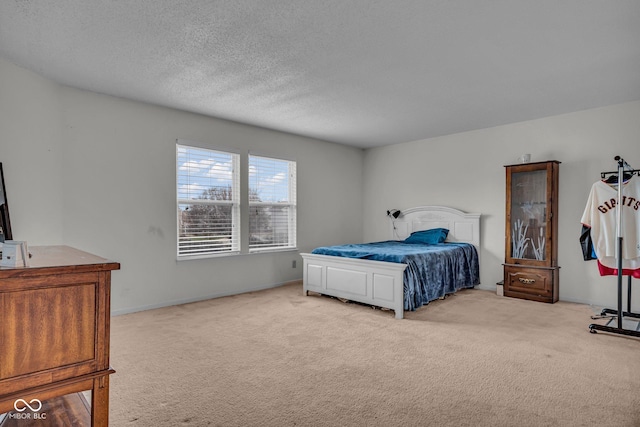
527 281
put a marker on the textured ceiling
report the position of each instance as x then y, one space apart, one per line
358 72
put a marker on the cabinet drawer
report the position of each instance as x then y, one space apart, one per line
530 283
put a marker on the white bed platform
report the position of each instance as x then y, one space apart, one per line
380 283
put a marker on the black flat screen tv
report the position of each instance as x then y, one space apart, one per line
5 222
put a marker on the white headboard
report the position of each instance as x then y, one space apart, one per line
463 227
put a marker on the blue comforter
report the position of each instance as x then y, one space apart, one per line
432 272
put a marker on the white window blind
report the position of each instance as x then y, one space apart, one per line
208 196
272 203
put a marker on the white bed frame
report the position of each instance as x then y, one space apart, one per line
381 283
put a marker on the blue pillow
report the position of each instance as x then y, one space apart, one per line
432 236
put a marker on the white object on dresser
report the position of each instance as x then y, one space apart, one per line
14 254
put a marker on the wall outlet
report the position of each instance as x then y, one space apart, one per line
293 264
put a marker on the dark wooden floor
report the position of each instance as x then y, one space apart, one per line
71 410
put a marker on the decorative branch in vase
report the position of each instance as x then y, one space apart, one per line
519 241
539 251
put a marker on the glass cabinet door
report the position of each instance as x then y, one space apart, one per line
528 215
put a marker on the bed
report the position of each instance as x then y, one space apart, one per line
370 278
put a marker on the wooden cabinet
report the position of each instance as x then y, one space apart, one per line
531 233
54 328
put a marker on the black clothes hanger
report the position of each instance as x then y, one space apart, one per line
613 179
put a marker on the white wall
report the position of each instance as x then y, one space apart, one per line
466 171
31 154
98 173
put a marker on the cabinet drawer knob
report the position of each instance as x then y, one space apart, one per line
527 281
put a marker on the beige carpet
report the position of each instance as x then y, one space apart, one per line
278 358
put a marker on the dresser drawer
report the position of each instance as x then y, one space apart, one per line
530 283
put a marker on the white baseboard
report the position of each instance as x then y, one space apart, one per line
196 299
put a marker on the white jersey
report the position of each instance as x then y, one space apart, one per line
601 214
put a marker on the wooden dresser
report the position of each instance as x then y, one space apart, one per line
54 329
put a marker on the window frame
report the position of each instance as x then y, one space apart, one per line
235 203
290 205
241 211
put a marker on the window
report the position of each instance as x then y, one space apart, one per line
272 203
213 215
208 196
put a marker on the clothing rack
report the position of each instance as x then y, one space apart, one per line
623 169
